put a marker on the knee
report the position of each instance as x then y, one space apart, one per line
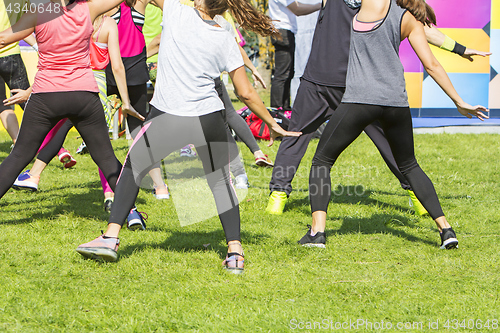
407 167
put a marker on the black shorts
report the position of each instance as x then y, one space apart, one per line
12 72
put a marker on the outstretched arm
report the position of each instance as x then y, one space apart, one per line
22 29
119 69
154 46
439 39
414 30
247 94
299 8
257 78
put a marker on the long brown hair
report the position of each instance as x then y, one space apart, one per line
420 9
245 14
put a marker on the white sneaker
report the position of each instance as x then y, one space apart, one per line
188 151
241 182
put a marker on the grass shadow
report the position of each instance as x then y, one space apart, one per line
193 241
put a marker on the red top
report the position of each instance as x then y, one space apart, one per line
99 55
63 48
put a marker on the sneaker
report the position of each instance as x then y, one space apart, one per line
416 204
161 196
448 239
82 149
188 151
264 161
277 201
101 249
107 205
135 220
26 181
241 182
234 263
318 240
66 158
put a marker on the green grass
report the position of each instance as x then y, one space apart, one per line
381 263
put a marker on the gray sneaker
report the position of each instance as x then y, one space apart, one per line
101 249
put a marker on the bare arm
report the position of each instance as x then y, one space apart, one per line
154 46
22 29
299 8
414 30
247 94
437 38
118 69
257 78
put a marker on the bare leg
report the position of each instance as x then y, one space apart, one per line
9 121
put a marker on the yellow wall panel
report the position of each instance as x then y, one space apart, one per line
473 38
414 89
495 14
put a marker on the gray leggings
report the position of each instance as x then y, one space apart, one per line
240 127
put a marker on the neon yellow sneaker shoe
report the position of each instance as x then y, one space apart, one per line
415 203
277 201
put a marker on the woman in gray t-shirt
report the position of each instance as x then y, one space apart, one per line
186 109
375 90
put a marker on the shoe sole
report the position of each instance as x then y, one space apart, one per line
318 245
264 164
68 162
237 271
450 244
25 188
162 196
135 226
97 253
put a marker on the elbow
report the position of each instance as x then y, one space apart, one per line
245 95
432 67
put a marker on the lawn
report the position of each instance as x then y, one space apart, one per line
382 265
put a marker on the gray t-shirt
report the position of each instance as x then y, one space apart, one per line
192 54
375 74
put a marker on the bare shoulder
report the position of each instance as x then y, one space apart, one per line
408 24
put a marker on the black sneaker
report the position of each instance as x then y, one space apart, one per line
448 239
317 240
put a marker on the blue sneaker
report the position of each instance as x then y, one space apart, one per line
135 220
26 181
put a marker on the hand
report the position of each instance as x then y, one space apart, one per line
20 96
257 78
469 111
471 52
128 109
277 131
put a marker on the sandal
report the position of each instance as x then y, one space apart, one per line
234 263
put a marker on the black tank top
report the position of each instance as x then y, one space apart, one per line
327 64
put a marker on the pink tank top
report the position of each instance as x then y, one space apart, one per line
130 34
63 48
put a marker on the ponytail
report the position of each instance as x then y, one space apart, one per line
245 14
420 9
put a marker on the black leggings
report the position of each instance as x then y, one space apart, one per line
163 133
139 101
346 124
52 148
42 113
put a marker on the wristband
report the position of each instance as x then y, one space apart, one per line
448 44
459 49
35 47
